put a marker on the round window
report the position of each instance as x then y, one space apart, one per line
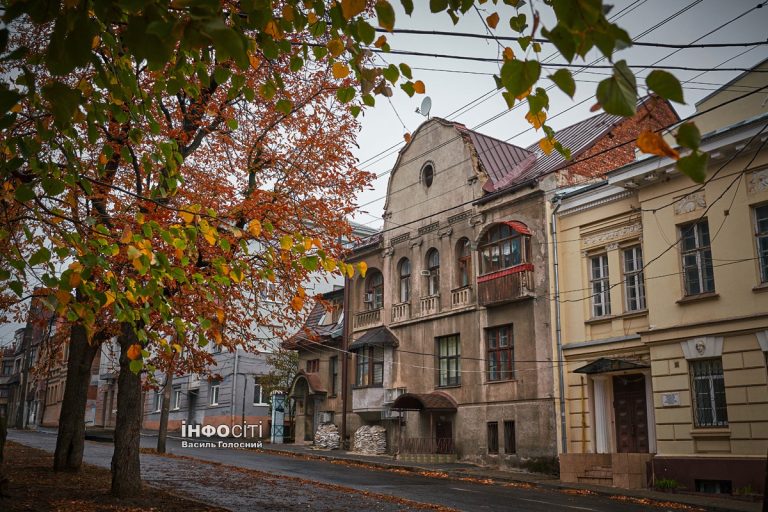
427 174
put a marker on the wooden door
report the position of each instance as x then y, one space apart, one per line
631 414
444 435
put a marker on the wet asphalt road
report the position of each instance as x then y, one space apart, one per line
234 490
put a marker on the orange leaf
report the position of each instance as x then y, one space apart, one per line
350 8
381 41
134 352
419 87
407 137
340 70
273 29
336 47
254 60
508 54
254 227
297 303
654 144
493 20
547 145
537 119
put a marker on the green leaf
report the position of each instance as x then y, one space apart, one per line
688 136
561 37
284 106
136 365
366 32
386 15
407 6
42 255
8 99
618 94
17 287
564 80
518 23
391 73
519 75
355 111
665 85
24 193
438 5
509 98
63 102
345 94
408 88
405 69
310 263
694 166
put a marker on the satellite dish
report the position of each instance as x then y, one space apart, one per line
426 106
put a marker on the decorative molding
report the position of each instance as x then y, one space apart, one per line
389 251
703 348
445 232
762 340
619 233
612 246
757 181
416 242
691 203
595 203
429 228
399 238
477 219
453 219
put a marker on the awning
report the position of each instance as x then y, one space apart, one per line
314 386
432 402
518 226
378 337
605 364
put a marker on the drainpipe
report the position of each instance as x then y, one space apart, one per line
558 326
234 390
345 361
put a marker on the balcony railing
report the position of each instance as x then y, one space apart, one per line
506 285
430 305
414 445
401 312
461 297
368 318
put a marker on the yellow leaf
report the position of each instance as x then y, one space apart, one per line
95 42
547 145
419 87
75 279
537 119
273 29
301 292
103 159
110 298
318 243
127 236
236 275
76 266
297 303
17 107
307 244
254 60
381 41
363 268
286 242
654 144
210 237
508 54
350 8
138 264
177 347
63 297
493 20
134 352
220 315
350 271
187 217
336 47
254 227
131 298
311 18
340 70
217 336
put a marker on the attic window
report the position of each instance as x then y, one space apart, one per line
427 174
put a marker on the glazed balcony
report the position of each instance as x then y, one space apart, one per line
507 285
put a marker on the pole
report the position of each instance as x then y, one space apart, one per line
345 363
558 329
234 390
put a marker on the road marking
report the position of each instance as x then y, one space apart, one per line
460 489
557 504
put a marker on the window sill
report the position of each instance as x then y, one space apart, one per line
599 319
501 381
369 386
711 432
634 314
699 297
762 287
451 386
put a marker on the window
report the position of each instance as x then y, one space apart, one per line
709 393
7 368
634 285
509 437
761 233
369 367
313 366
258 392
374 291
158 401
598 283
449 361
465 262
405 280
697 258
433 269
503 247
176 402
501 353
493 437
427 175
214 394
333 370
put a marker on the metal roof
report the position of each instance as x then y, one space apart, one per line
435 401
502 161
378 337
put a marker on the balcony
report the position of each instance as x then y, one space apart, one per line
368 399
461 297
367 319
401 312
508 285
430 305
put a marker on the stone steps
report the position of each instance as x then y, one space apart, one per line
597 475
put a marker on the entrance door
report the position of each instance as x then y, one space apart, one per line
309 418
631 414
444 435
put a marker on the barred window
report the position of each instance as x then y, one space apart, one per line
493 437
634 280
510 443
599 284
709 393
449 361
761 233
698 276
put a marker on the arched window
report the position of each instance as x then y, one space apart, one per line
374 290
433 269
464 259
504 246
405 280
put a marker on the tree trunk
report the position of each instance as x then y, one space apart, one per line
162 433
71 437
126 468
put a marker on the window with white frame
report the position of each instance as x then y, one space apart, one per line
374 290
696 253
708 387
158 401
634 280
213 394
761 235
176 402
599 284
258 392
449 361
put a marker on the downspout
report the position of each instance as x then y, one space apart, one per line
234 390
345 361
558 326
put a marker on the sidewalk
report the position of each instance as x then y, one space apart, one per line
458 470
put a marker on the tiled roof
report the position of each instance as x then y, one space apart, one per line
380 337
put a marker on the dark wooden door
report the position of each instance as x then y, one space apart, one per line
631 414
444 435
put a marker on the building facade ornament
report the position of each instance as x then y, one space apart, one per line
704 347
616 234
757 181
445 232
691 203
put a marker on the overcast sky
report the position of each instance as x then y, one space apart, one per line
450 91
